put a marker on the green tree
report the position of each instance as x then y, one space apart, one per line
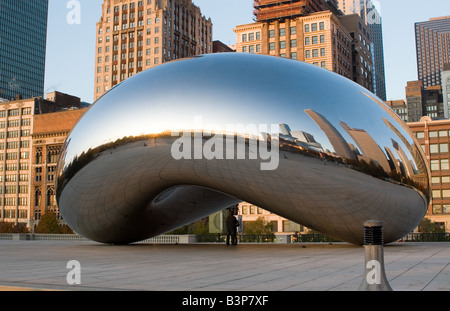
427 226
6 227
20 228
258 227
49 224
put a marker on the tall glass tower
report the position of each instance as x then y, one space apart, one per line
23 37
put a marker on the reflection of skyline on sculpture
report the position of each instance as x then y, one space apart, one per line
324 134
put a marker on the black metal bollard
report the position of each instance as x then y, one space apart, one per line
374 277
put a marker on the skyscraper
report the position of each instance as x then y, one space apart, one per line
312 31
23 39
133 36
433 49
314 37
372 18
446 89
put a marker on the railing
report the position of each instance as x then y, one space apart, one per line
56 237
427 237
221 238
242 238
312 238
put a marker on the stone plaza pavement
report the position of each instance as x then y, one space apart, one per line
42 265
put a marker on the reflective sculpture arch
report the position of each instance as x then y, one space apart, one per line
186 139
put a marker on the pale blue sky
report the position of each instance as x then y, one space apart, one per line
71 47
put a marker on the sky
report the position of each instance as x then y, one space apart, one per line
70 61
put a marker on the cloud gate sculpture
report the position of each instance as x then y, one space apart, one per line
188 138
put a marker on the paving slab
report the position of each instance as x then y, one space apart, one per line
42 265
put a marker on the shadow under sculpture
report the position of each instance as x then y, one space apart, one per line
186 139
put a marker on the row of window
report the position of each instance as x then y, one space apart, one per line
11 213
15 123
12 189
14 177
441 194
15 134
441 209
15 144
15 112
433 134
13 167
440 165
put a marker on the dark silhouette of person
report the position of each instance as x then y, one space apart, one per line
232 223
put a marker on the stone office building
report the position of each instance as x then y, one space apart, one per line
434 138
133 36
16 129
49 133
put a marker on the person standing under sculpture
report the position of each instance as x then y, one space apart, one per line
232 223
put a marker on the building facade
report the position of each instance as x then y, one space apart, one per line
23 39
250 212
414 100
434 137
445 80
16 155
362 65
371 17
133 36
317 38
422 102
49 133
432 49
400 108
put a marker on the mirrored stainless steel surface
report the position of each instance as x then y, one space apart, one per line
188 138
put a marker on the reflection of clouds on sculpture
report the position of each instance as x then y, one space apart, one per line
338 165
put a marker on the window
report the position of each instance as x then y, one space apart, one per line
307 40
272 46
282 44
433 134
314 27
443 148
322 52
244 37
436 193
307 28
322 26
434 148
294 55
293 43
308 54
282 32
420 135
315 53
293 30
434 165
445 164
13 113
272 33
